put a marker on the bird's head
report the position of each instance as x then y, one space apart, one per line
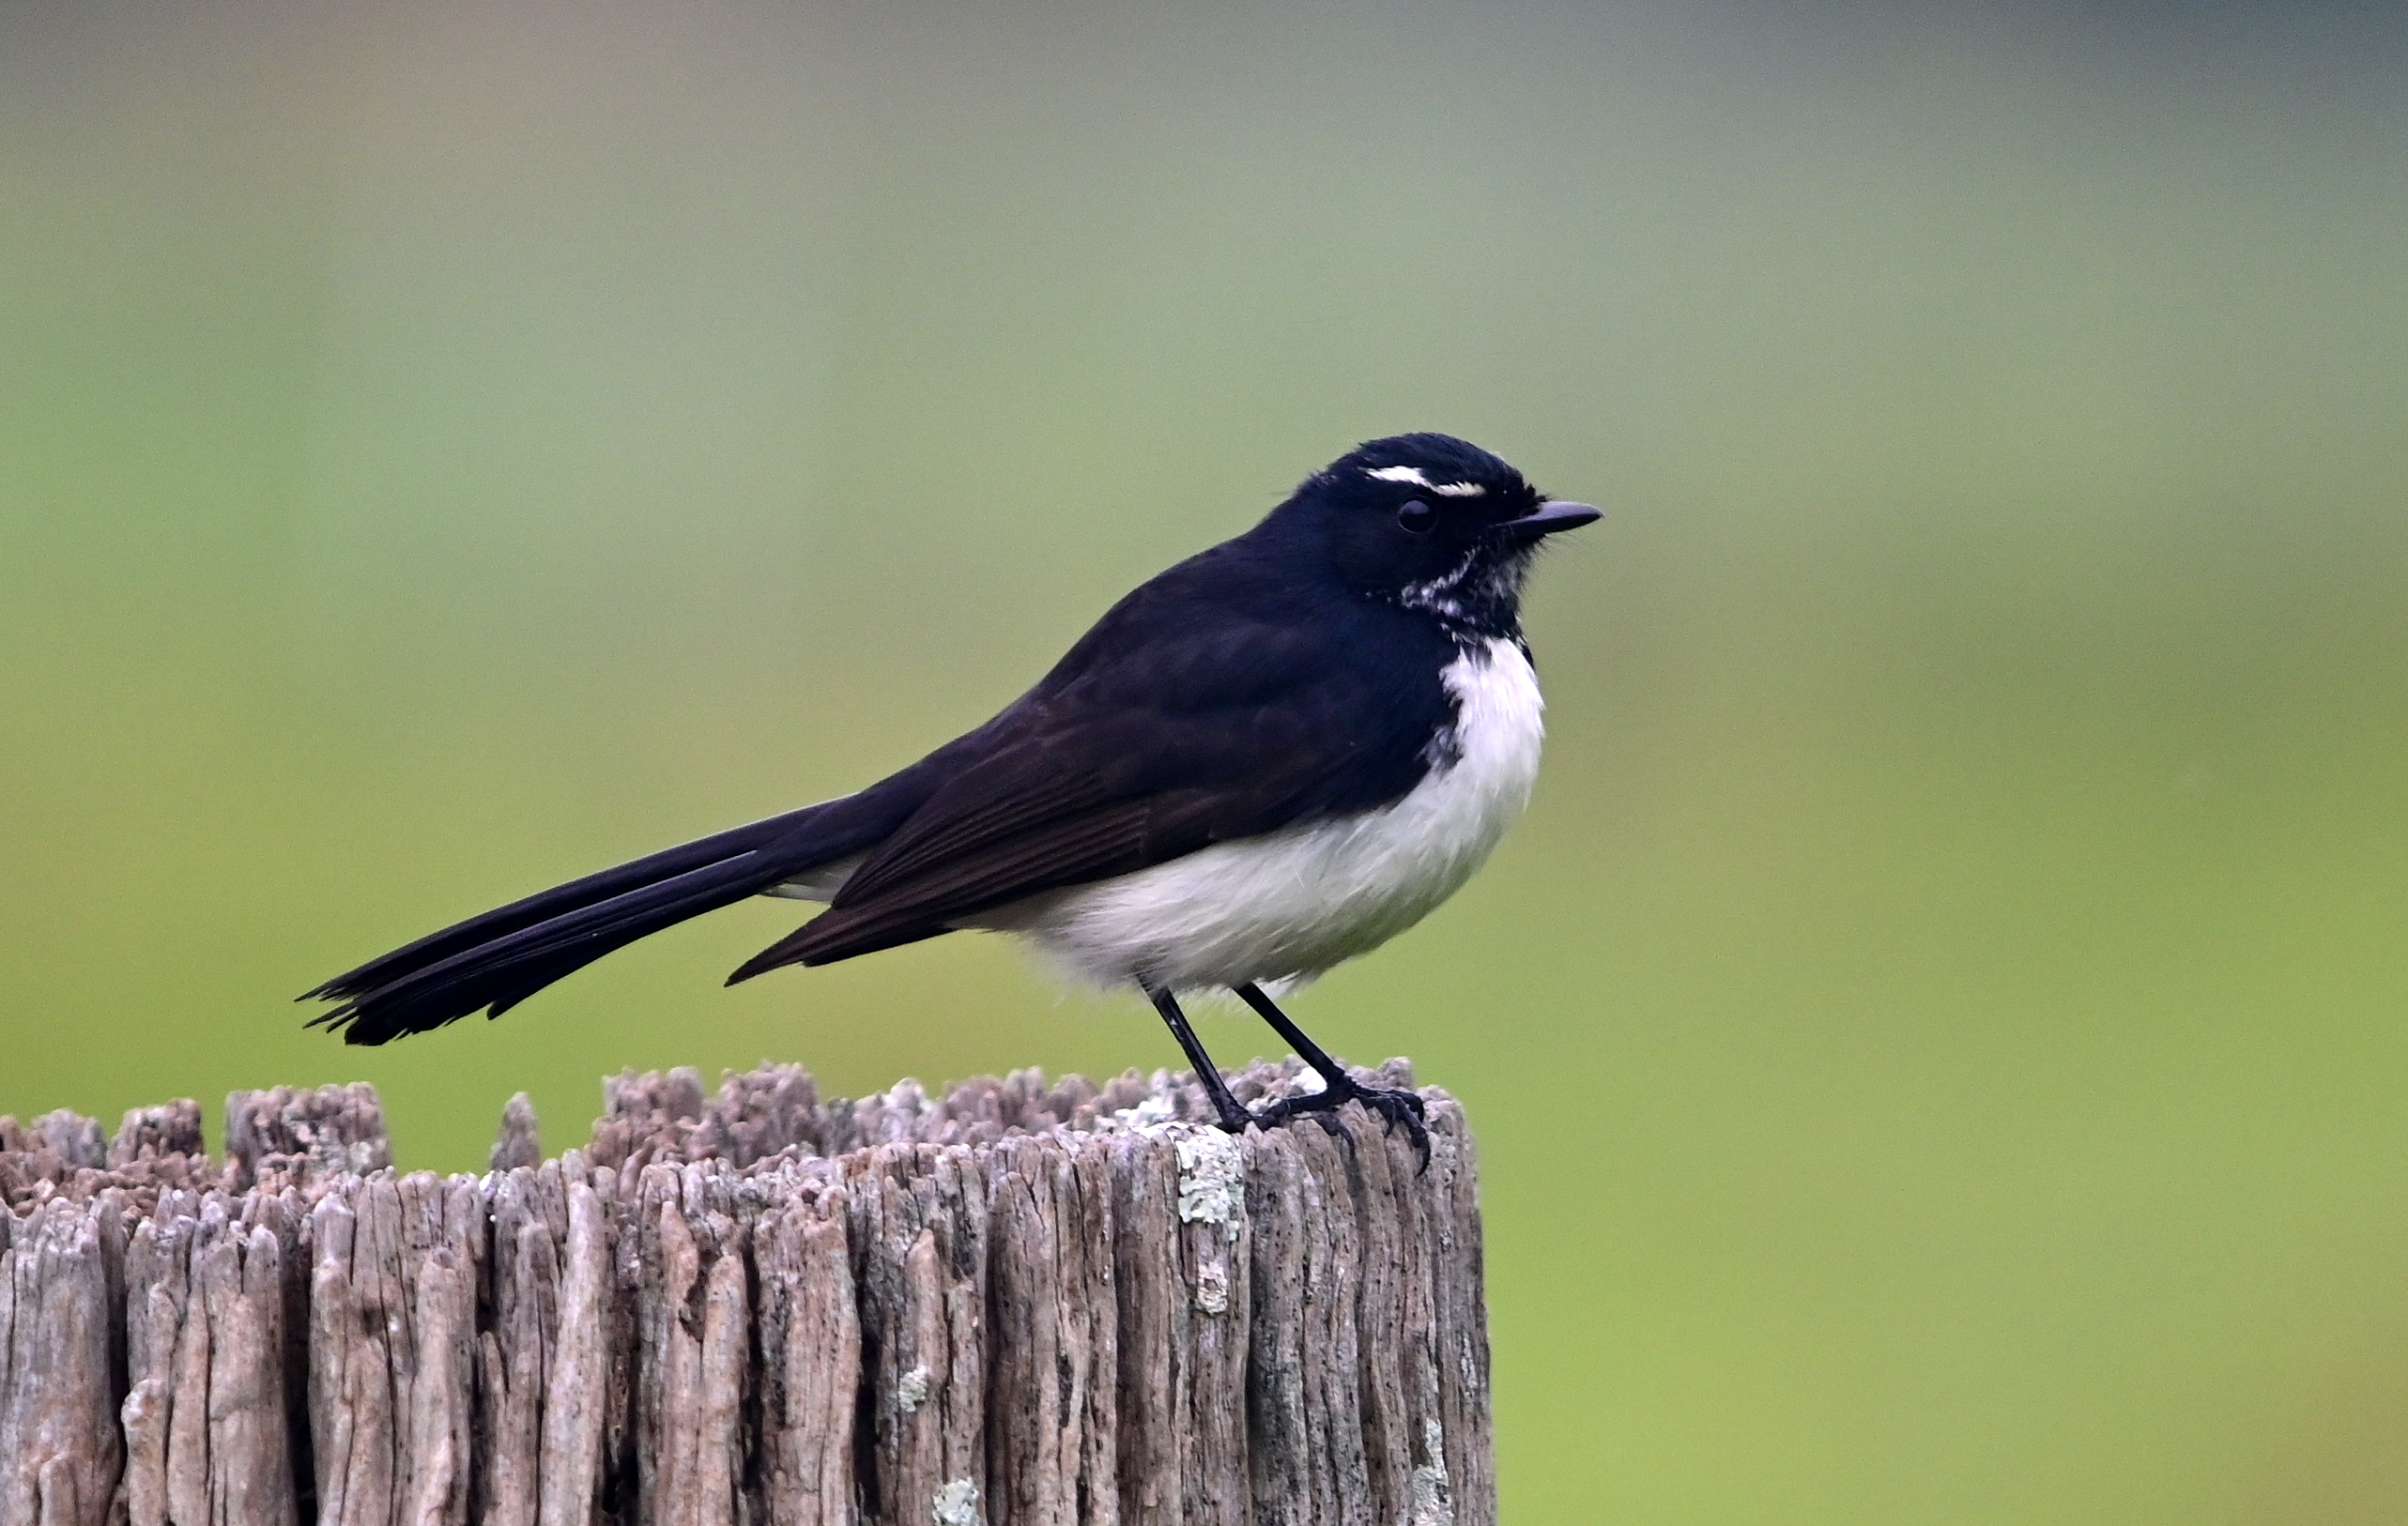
1431 521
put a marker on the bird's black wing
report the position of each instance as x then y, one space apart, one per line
1158 736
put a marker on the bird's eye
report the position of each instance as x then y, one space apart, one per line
1417 518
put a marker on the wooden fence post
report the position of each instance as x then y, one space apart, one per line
1017 1303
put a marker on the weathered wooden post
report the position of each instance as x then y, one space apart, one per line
1013 1303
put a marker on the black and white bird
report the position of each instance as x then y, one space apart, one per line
1271 758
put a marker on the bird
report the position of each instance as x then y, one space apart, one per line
1266 761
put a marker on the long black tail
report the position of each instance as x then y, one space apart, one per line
499 959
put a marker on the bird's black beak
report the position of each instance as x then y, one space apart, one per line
1559 514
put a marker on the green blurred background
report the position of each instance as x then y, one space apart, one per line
1938 1040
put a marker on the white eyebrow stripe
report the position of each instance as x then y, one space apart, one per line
1413 475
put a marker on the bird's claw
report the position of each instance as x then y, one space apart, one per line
1392 1108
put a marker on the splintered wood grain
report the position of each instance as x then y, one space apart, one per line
527 1214
581 1361
392 1342
158 1132
1460 1296
1308 1461
1015 1303
59 1443
1283 1202
1407 1215
666 1117
305 1133
1214 1263
810 1354
692 1322
1182 1281
919 1238
59 1153
208 1417
1150 1306
1053 1416
77 1140
1403 1215
159 1306
520 1142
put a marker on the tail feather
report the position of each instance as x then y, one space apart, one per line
546 904
506 970
497 960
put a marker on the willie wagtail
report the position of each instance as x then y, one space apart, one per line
1269 759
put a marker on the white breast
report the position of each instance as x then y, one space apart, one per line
1292 904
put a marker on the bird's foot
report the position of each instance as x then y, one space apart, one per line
1393 1108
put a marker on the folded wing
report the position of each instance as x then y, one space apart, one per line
1166 748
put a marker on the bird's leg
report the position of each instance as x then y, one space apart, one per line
1337 1087
1233 1116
